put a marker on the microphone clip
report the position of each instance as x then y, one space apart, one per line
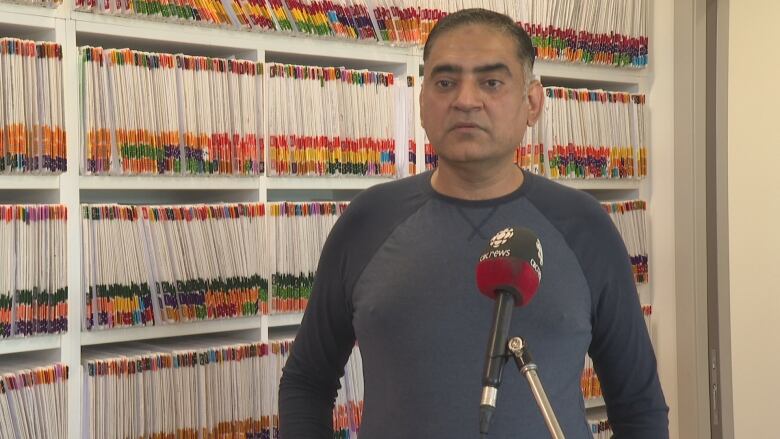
518 348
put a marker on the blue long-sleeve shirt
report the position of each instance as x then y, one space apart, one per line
397 274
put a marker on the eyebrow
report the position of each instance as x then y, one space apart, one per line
487 68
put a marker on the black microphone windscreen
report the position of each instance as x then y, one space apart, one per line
512 262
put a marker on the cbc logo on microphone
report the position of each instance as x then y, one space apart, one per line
501 237
539 251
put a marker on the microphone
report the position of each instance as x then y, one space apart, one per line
509 271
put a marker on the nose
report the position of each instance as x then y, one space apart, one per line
468 97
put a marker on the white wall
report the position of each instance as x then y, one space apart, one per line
660 98
754 214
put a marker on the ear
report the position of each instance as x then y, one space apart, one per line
535 102
422 110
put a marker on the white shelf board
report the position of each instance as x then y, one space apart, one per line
592 403
209 37
303 45
600 184
30 344
592 75
352 183
167 34
27 181
279 320
120 335
139 182
587 73
329 183
30 15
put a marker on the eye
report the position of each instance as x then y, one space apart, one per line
445 83
493 83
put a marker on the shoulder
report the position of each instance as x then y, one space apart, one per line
569 210
375 212
589 233
585 226
370 218
384 205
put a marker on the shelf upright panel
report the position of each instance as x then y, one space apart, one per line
415 70
69 195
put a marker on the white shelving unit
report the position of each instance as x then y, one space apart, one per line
72 29
332 183
30 344
32 182
593 403
121 335
593 185
29 18
216 183
281 320
568 75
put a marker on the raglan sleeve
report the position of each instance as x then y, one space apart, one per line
324 341
621 350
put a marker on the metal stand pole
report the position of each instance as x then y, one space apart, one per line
527 367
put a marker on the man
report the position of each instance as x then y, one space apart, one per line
397 274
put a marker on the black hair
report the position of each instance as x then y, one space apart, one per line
491 19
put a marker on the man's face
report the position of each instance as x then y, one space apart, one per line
473 104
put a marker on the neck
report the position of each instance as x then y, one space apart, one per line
473 183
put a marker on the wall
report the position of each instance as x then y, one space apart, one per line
754 214
660 98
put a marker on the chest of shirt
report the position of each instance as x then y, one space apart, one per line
420 288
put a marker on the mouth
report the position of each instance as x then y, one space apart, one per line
463 126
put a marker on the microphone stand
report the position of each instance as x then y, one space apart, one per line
525 364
